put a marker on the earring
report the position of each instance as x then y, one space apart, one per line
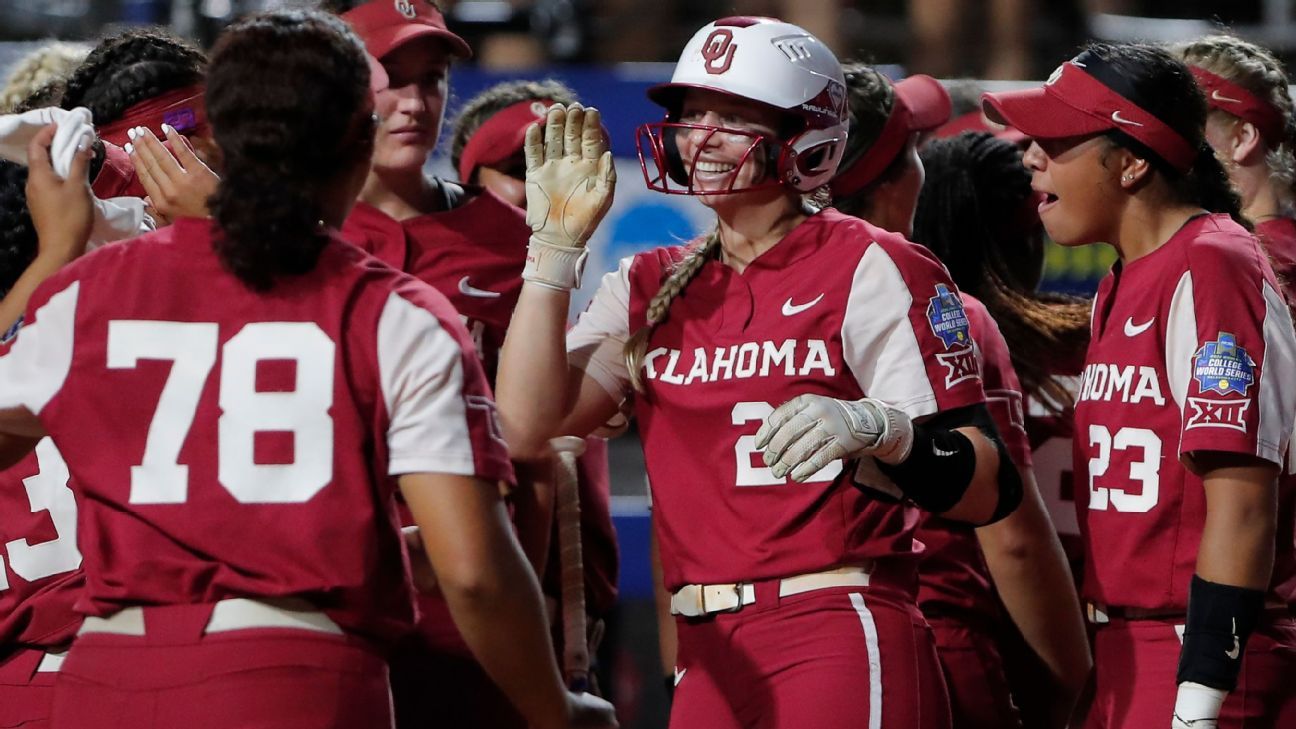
1128 178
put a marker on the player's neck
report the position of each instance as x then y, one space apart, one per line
1147 225
748 231
401 194
1260 198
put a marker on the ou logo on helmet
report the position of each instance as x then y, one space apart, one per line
718 50
406 8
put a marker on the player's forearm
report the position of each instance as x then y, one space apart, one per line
531 387
533 513
501 617
1030 572
15 302
982 496
666 637
1237 545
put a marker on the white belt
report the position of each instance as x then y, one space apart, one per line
233 614
693 601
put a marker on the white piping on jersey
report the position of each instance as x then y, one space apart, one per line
1276 395
874 660
1181 340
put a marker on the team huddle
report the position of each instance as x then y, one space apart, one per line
296 435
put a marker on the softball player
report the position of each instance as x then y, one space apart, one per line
40 576
265 396
1186 403
798 376
1252 128
470 245
977 214
880 182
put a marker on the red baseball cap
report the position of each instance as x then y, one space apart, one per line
385 25
921 104
1081 98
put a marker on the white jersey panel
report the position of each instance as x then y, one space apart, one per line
421 369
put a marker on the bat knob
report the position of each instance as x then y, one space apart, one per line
568 444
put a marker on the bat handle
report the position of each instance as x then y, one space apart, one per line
572 576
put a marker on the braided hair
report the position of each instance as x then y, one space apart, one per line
975 212
1169 92
289 102
48 65
636 347
127 69
1257 70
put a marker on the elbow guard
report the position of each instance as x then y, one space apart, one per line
942 463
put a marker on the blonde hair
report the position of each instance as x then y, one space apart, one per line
46 65
1257 70
659 306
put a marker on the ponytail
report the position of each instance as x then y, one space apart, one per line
659 307
288 99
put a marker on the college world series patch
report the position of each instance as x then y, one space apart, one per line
947 318
1221 368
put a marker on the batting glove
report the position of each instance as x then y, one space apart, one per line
569 183
1197 706
808 432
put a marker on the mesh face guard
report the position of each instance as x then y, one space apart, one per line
665 170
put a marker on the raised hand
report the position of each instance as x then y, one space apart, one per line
177 182
570 179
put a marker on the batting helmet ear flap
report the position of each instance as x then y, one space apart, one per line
674 161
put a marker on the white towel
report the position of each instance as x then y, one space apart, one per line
115 218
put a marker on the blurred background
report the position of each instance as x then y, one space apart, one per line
611 51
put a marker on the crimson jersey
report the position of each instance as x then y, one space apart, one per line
1278 235
837 308
225 443
952 577
473 254
1192 350
40 565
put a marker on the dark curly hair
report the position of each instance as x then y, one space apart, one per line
18 243
289 103
494 100
975 213
129 68
870 98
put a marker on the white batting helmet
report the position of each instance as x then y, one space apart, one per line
771 62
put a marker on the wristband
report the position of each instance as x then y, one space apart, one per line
1220 620
1197 705
555 267
938 470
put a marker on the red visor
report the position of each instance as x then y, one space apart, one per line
921 104
1229 97
1073 103
384 25
183 109
500 136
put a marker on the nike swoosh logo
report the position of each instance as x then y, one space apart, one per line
789 309
468 289
1116 117
937 450
1233 654
679 675
1133 330
1216 96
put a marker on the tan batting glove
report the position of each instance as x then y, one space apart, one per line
569 184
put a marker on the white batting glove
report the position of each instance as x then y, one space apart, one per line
808 432
570 179
1197 706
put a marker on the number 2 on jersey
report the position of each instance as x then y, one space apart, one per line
745 450
1145 470
191 347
